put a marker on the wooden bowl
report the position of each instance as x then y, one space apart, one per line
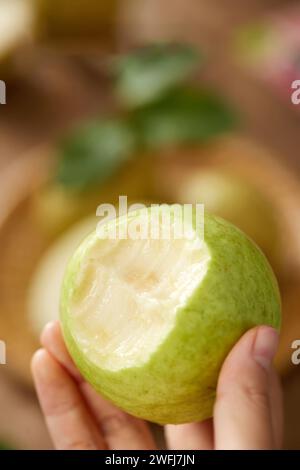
22 243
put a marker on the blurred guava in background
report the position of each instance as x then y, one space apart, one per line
192 176
45 285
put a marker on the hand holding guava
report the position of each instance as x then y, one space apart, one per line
152 303
150 322
247 411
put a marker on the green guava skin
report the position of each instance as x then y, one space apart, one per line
178 382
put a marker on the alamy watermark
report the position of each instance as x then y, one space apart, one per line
296 354
2 353
155 222
2 92
295 96
2 343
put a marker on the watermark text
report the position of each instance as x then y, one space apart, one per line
155 222
295 96
296 354
2 353
2 92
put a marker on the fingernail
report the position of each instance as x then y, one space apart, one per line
37 363
265 346
48 327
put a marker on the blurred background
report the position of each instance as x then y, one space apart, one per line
160 100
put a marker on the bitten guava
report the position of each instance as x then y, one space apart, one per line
150 321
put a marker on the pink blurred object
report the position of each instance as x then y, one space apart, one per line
271 49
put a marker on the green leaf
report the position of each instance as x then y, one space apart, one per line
150 72
185 116
94 153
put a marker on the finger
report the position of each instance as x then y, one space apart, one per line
52 340
193 436
120 430
276 408
242 415
68 419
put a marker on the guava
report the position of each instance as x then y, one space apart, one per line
238 201
45 284
150 321
231 197
56 207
